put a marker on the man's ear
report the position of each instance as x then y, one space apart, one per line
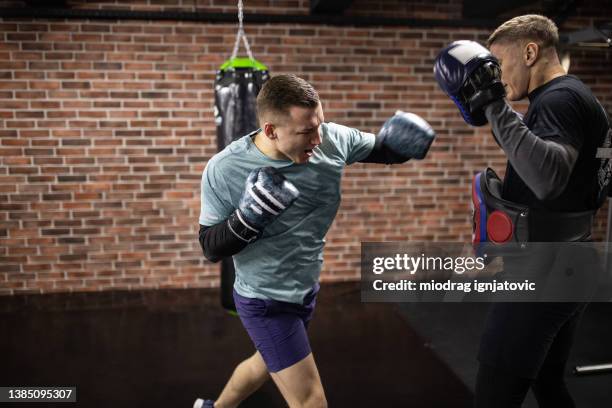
268 129
531 53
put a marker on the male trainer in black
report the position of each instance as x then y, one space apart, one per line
552 169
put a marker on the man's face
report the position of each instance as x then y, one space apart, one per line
298 134
515 73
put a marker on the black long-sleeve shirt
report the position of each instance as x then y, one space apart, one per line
551 151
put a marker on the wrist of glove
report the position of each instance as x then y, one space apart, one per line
484 86
266 196
493 109
241 229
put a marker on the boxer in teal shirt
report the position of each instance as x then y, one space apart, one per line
268 199
299 232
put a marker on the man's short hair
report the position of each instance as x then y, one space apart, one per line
531 27
282 92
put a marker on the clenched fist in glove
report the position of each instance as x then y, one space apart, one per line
404 136
267 194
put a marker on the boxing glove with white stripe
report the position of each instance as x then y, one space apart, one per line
267 194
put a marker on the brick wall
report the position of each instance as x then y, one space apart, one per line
106 126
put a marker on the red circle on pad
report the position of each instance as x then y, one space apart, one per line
499 227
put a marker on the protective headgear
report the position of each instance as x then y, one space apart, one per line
470 75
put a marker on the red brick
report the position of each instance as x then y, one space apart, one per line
113 123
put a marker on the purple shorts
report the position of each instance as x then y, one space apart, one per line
278 329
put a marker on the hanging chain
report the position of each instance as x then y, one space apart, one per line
241 34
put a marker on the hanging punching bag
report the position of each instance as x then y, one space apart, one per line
237 84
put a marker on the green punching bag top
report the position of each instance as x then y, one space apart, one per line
242 63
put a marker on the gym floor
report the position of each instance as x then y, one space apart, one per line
164 348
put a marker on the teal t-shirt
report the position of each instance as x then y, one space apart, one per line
285 263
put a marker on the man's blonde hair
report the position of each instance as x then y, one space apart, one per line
531 27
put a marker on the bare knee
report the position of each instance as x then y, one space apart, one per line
315 399
257 366
301 385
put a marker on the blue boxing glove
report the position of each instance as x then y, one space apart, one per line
471 76
408 135
404 136
267 194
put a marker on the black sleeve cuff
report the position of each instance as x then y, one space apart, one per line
218 241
